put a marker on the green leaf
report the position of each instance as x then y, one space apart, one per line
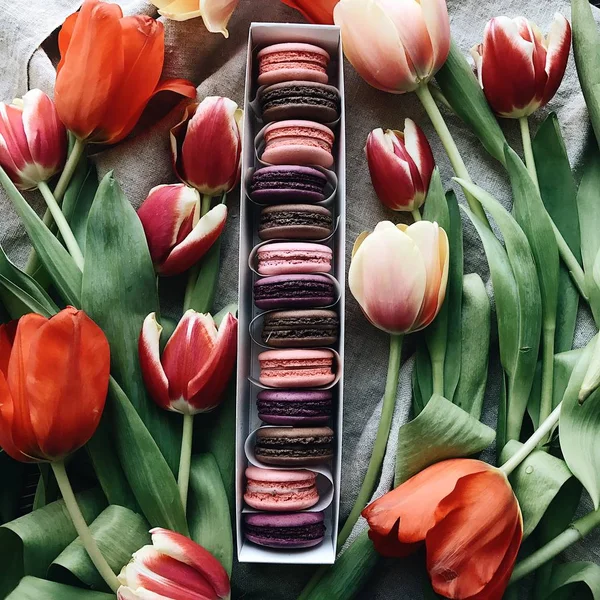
32 588
47 488
422 380
203 296
119 291
579 579
118 532
475 346
462 90
30 543
436 207
12 475
440 432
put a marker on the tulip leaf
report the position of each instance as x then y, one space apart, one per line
203 296
47 488
29 544
33 588
422 380
440 432
436 207
12 475
464 94
574 580
119 291
118 532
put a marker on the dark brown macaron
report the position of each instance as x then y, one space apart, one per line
295 222
294 446
300 328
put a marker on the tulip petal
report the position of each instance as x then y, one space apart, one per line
558 45
15 156
435 13
64 37
315 11
216 14
419 150
153 373
7 338
126 593
359 240
178 10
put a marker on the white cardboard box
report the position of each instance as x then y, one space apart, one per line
261 35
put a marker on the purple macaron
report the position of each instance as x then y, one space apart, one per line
285 531
294 407
287 183
294 291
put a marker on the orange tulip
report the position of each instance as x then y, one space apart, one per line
109 70
469 519
315 11
53 383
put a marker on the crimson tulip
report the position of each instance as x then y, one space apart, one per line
315 11
467 516
178 237
520 70
401 165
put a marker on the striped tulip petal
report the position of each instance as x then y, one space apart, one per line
154 375
558 44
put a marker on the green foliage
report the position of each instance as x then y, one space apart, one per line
32 588
574 580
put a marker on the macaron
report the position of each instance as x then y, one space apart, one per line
279 490
300 328
294 291
287 183
295 222
287 62
300 100
296 368
298 143
294 446
285 531
294 407
282 258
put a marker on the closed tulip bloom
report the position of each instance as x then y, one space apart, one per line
398 275
467 516
315 11
33 141
401 165
518 69
53 384
395 45
207 146
195 366
110 68
178 237
173 568
214 13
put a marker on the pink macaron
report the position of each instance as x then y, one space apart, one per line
282 258
280 490
292 62
298 143
296 368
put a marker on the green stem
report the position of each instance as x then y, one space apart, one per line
528 150
437 367
85 535
185 459
383 432
424 94
61 223
416 214
549 334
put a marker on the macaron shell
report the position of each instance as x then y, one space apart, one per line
300 328
298 153
295 407
292 61
295 222
294 291
283 543
296 368
287 258
287 184
291 446
272 490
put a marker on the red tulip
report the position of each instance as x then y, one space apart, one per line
401 165
195 366
520 70
33 141
173 568
53 384
207 146
177 236
109 69
468 517
315 11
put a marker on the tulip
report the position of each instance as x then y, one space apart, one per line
214 13
173 568
401 165
469 519
178 236
33 141
520 70
315 11
206 146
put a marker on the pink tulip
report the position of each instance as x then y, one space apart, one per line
173 568
401 165
195 366
207 146
520 70
398 275
178 237
395 45
33 141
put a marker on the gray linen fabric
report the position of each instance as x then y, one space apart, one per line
217 65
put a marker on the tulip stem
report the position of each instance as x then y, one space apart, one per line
548 335
416 214
528 151
432 110
383 432
85 535
185 459
62 224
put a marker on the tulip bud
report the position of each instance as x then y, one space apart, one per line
518 69
401 165
178 237
195 366
206 146
33 141
173 568
398 275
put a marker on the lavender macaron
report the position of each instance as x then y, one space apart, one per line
294 407
294 291
285 531
287 183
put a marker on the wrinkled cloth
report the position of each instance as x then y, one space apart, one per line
217 65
